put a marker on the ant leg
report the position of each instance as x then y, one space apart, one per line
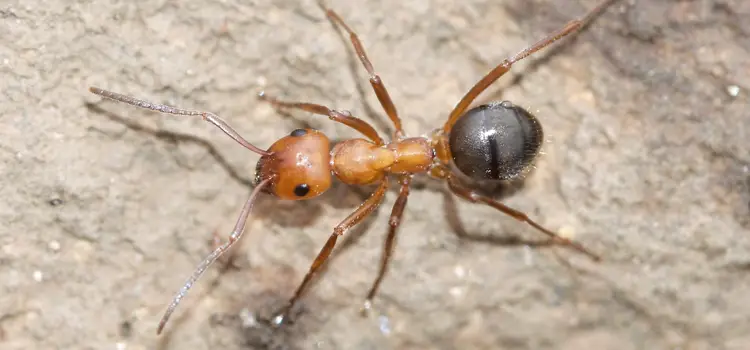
396 214
236 234
364 210
506 64
375 81
474 197
343 117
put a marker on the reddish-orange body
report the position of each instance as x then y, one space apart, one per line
361 162
302 159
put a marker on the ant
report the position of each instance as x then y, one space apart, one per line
497 141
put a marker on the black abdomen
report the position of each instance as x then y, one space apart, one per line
496 141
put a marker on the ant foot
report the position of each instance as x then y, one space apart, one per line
366 308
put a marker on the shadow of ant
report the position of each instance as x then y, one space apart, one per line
251 315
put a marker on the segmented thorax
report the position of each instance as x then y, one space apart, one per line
360 162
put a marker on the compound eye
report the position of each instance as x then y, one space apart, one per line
301 190
298 133
301 182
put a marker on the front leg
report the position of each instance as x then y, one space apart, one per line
353 219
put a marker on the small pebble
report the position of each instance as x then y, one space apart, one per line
459 271
38 276
385 325
566 232
248 319
733 90
121 346
54 246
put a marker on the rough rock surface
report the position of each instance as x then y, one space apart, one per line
106 209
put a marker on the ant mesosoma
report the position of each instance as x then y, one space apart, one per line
492 142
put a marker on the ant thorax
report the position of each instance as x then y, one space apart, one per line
361 162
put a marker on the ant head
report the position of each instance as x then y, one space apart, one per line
298 165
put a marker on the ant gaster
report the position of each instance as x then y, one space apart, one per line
492 142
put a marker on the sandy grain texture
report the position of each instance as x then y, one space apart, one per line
106 209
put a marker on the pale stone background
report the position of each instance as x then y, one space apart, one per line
106 209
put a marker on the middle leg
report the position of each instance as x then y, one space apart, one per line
396 214
375 81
